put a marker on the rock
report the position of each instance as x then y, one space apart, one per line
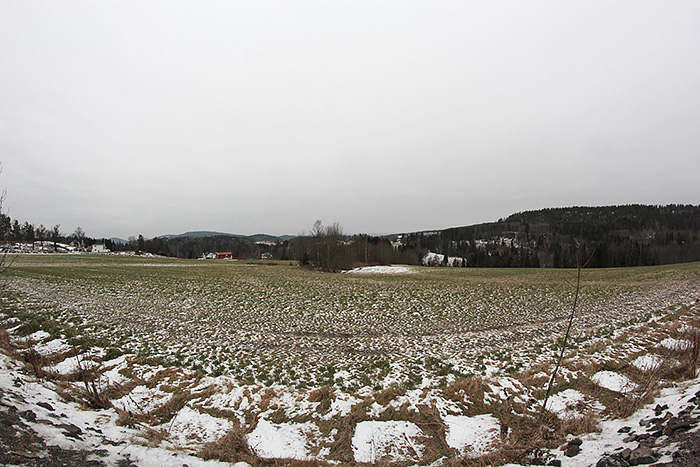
613 460
71 430
630 438
676 424
45 405
642 455
659 409
555 463
625 429
576 442
625 454
573 448
535 456
28 415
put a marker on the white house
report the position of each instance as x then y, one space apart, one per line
99 248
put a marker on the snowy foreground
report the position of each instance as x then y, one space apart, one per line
151 363
72 426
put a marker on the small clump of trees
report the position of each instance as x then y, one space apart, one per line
327 248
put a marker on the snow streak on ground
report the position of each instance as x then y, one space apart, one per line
381 270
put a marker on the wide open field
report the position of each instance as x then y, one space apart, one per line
235 324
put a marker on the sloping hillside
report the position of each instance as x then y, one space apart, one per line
632 235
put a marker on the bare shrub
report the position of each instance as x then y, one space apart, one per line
689 358
89 372
35 361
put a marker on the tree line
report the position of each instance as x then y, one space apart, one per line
615 236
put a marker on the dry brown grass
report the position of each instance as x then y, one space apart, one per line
127 418
153 437
266 399
324 396
389 394
469 392
233 447
589 423
169 409
5 340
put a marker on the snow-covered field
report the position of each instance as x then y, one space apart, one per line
389 364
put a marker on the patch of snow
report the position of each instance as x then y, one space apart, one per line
614 381
381 270
392 441
190 424
473 436
562 403
65 367
286 440
675 344
38 336
649 362
52 347
142 400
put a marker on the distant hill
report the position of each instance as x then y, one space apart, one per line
630 235
207 233
199 233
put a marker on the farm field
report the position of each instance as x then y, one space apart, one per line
397 365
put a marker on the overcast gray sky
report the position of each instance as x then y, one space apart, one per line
155 117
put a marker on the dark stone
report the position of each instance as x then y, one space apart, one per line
642 455
630 438
45 405
625 429
572 450
625 454
659 409
613 460
28 415
576 442
676 424
536 456
71 430
555 463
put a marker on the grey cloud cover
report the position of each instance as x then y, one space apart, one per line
156 117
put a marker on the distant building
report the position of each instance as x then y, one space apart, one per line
99 248
223 255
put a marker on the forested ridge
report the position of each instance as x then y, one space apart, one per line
615 236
